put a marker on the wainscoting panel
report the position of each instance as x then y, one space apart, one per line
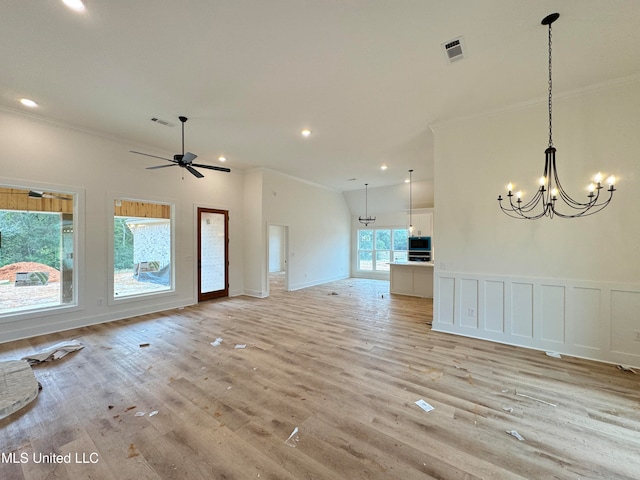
625 325
586 331
446 300
494 306
552 313
469 303
596 320
522 309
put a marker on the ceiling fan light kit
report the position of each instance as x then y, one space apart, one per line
184 160
551 199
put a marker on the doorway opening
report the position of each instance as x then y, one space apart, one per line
278 264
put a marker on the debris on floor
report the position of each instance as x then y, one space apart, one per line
424 405
132 451
536 399
54 352
142 345
515 434
553 354
293 439
626 368
333 293
217 342
241 345
508 409
19 386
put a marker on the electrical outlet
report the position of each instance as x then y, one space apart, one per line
636 335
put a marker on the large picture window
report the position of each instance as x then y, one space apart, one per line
37 246
142 251
379 246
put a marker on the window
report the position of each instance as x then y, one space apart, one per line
142 248
379 246
37 246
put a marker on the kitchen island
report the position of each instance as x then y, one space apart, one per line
411 278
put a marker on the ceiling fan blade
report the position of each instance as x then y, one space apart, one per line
162 166
212 167
189 157
154 156
194 171
35 194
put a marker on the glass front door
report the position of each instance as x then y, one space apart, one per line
213 266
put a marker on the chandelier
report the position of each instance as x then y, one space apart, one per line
551 199
367 219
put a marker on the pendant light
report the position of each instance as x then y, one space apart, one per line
367 219
410 207
551 199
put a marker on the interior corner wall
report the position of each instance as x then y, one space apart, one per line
319 228
566 285
36 150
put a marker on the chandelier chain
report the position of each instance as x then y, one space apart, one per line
550 92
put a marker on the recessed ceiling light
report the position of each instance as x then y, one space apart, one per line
406 180
27 102
383 167
305 132
76 5
222 158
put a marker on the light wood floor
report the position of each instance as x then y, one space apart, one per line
344 363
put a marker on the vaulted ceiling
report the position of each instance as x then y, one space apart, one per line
367 77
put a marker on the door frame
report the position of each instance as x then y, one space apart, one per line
203 297
287 272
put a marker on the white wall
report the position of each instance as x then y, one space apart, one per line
32 150
319 228
254 268
390 199
569 285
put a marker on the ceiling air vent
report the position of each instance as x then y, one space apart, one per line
162 122
454 49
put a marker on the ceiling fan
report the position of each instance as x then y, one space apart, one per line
35 194
184 160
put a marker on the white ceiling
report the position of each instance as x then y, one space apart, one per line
368 77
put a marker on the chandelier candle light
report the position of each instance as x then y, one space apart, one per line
367 219
545 201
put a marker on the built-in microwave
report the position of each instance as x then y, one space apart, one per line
420 244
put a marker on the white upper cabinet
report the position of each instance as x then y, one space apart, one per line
422 220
